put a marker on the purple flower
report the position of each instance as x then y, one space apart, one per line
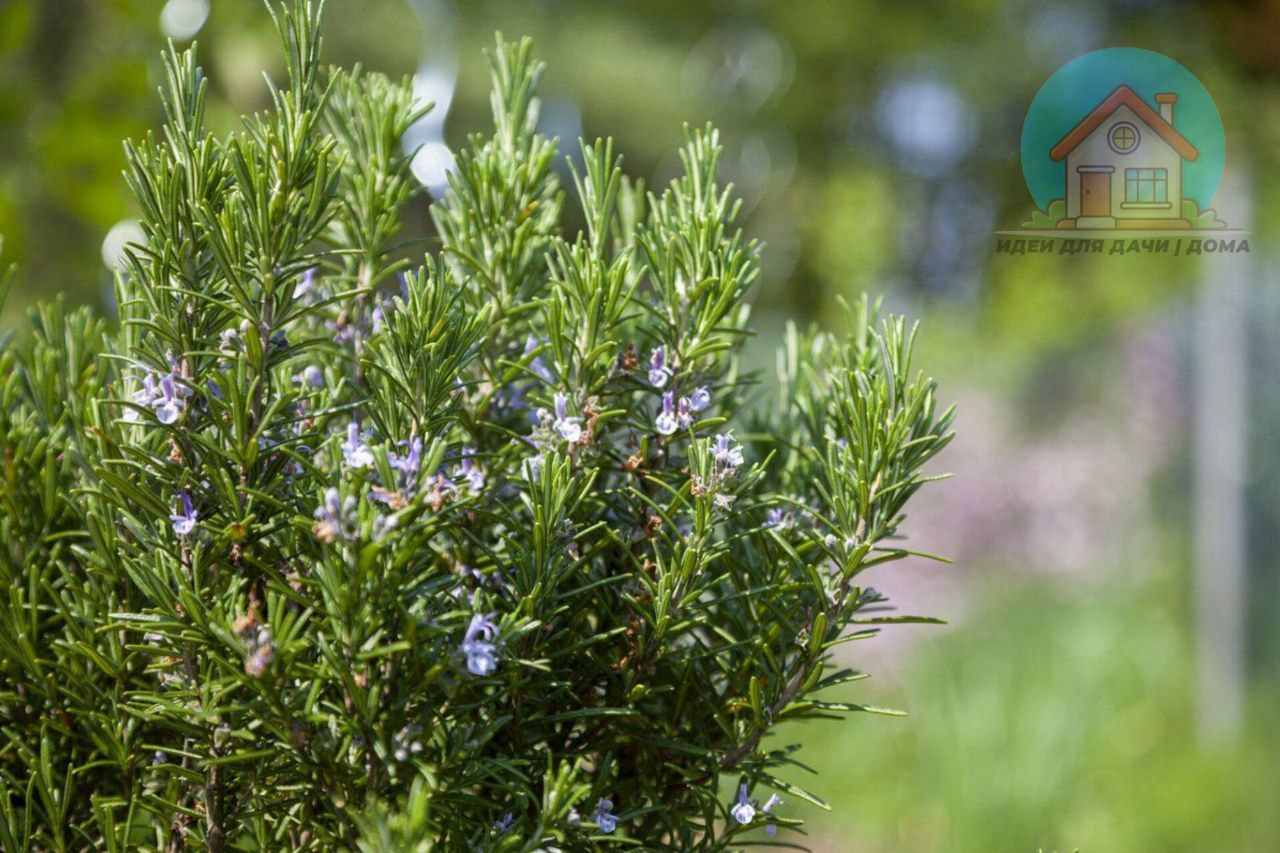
147 394
170 403
395 500
727 452
538 366
481 658
604 817
743 811
478 645
570 429
659 373
482 625
504 826
533 467
167 396
184 521
331 516
699 399
343 333
411 462
684 414
666 422
771 828
312 376
142 397
469 471
354 451
306 291
779 519
444 484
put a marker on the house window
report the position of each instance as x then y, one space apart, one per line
1123 137
1146 186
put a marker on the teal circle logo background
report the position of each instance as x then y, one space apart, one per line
1080 85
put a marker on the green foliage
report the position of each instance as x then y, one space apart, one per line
1056 212
292 562
1203 219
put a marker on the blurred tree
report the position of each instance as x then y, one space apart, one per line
70 86
883 135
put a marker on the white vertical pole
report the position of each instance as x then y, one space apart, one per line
1221 457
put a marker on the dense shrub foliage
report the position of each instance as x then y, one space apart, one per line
315 550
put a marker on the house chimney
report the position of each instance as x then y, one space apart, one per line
1166 100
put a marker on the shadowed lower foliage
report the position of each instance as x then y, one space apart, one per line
316 550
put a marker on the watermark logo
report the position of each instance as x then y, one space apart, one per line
1123 143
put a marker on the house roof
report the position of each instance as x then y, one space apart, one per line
1123 96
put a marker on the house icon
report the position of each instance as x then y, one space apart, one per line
1124 165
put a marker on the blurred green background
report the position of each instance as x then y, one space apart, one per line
1108 679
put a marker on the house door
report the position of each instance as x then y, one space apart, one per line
1095 193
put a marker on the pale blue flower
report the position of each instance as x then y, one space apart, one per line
659 373
700 398
142 397
167 397
771 828
604 818
533 467
312 376
469 471
332 516
354 450
411 462
570 428
481 658
306 291
478 645
743 811
184 521
343 333
666 422
684 414
538 366
482 625
171 403
727 451
147 394
779 519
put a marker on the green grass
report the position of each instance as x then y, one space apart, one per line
1048 723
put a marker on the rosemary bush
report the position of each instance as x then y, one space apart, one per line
312 549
